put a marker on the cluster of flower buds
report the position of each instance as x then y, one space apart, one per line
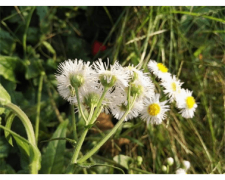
121 89
172 87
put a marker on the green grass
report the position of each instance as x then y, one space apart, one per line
190 41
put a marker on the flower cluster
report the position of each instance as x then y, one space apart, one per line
172 87
123 91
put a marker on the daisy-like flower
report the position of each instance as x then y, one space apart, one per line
154 111
187 104
115 76
73 73
180 171
172 88
159 70
118 110
140 82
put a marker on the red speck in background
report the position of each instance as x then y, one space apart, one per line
97 46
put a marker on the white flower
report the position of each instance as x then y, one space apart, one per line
115 76
154 111
141 81
187 104
186 164
172 88
170 161
74 72
180 171
159 70
118 109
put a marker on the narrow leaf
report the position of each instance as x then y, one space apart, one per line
53 158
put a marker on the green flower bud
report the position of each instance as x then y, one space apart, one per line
76 80
164 169
107 80
91 99
170 161
136 89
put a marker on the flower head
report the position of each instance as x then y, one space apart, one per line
159 70
172 88
154 111
187 104
74 73
115 76
140 83
119 109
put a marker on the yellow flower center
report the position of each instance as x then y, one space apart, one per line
190 102
174 87
153 109
162 67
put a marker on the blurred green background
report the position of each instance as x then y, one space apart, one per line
190 41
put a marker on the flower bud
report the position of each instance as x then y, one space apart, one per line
136 89
76 80
107 80
186 164
164 169
170 161
91 99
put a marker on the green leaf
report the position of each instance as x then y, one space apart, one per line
5 168
6 42
4 148
134 140
53 158
9 119
123 160
8 67
33 69
49 47
89 165
4 98
28 153
71 141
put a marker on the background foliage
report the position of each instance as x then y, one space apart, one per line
188 40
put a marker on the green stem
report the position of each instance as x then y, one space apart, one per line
25 32
79 105
91 119
93 150
38 107
73 122
91 113
99 106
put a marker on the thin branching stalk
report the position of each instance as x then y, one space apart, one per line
25 32
91 119
96 148
79 105
38 107
73 122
